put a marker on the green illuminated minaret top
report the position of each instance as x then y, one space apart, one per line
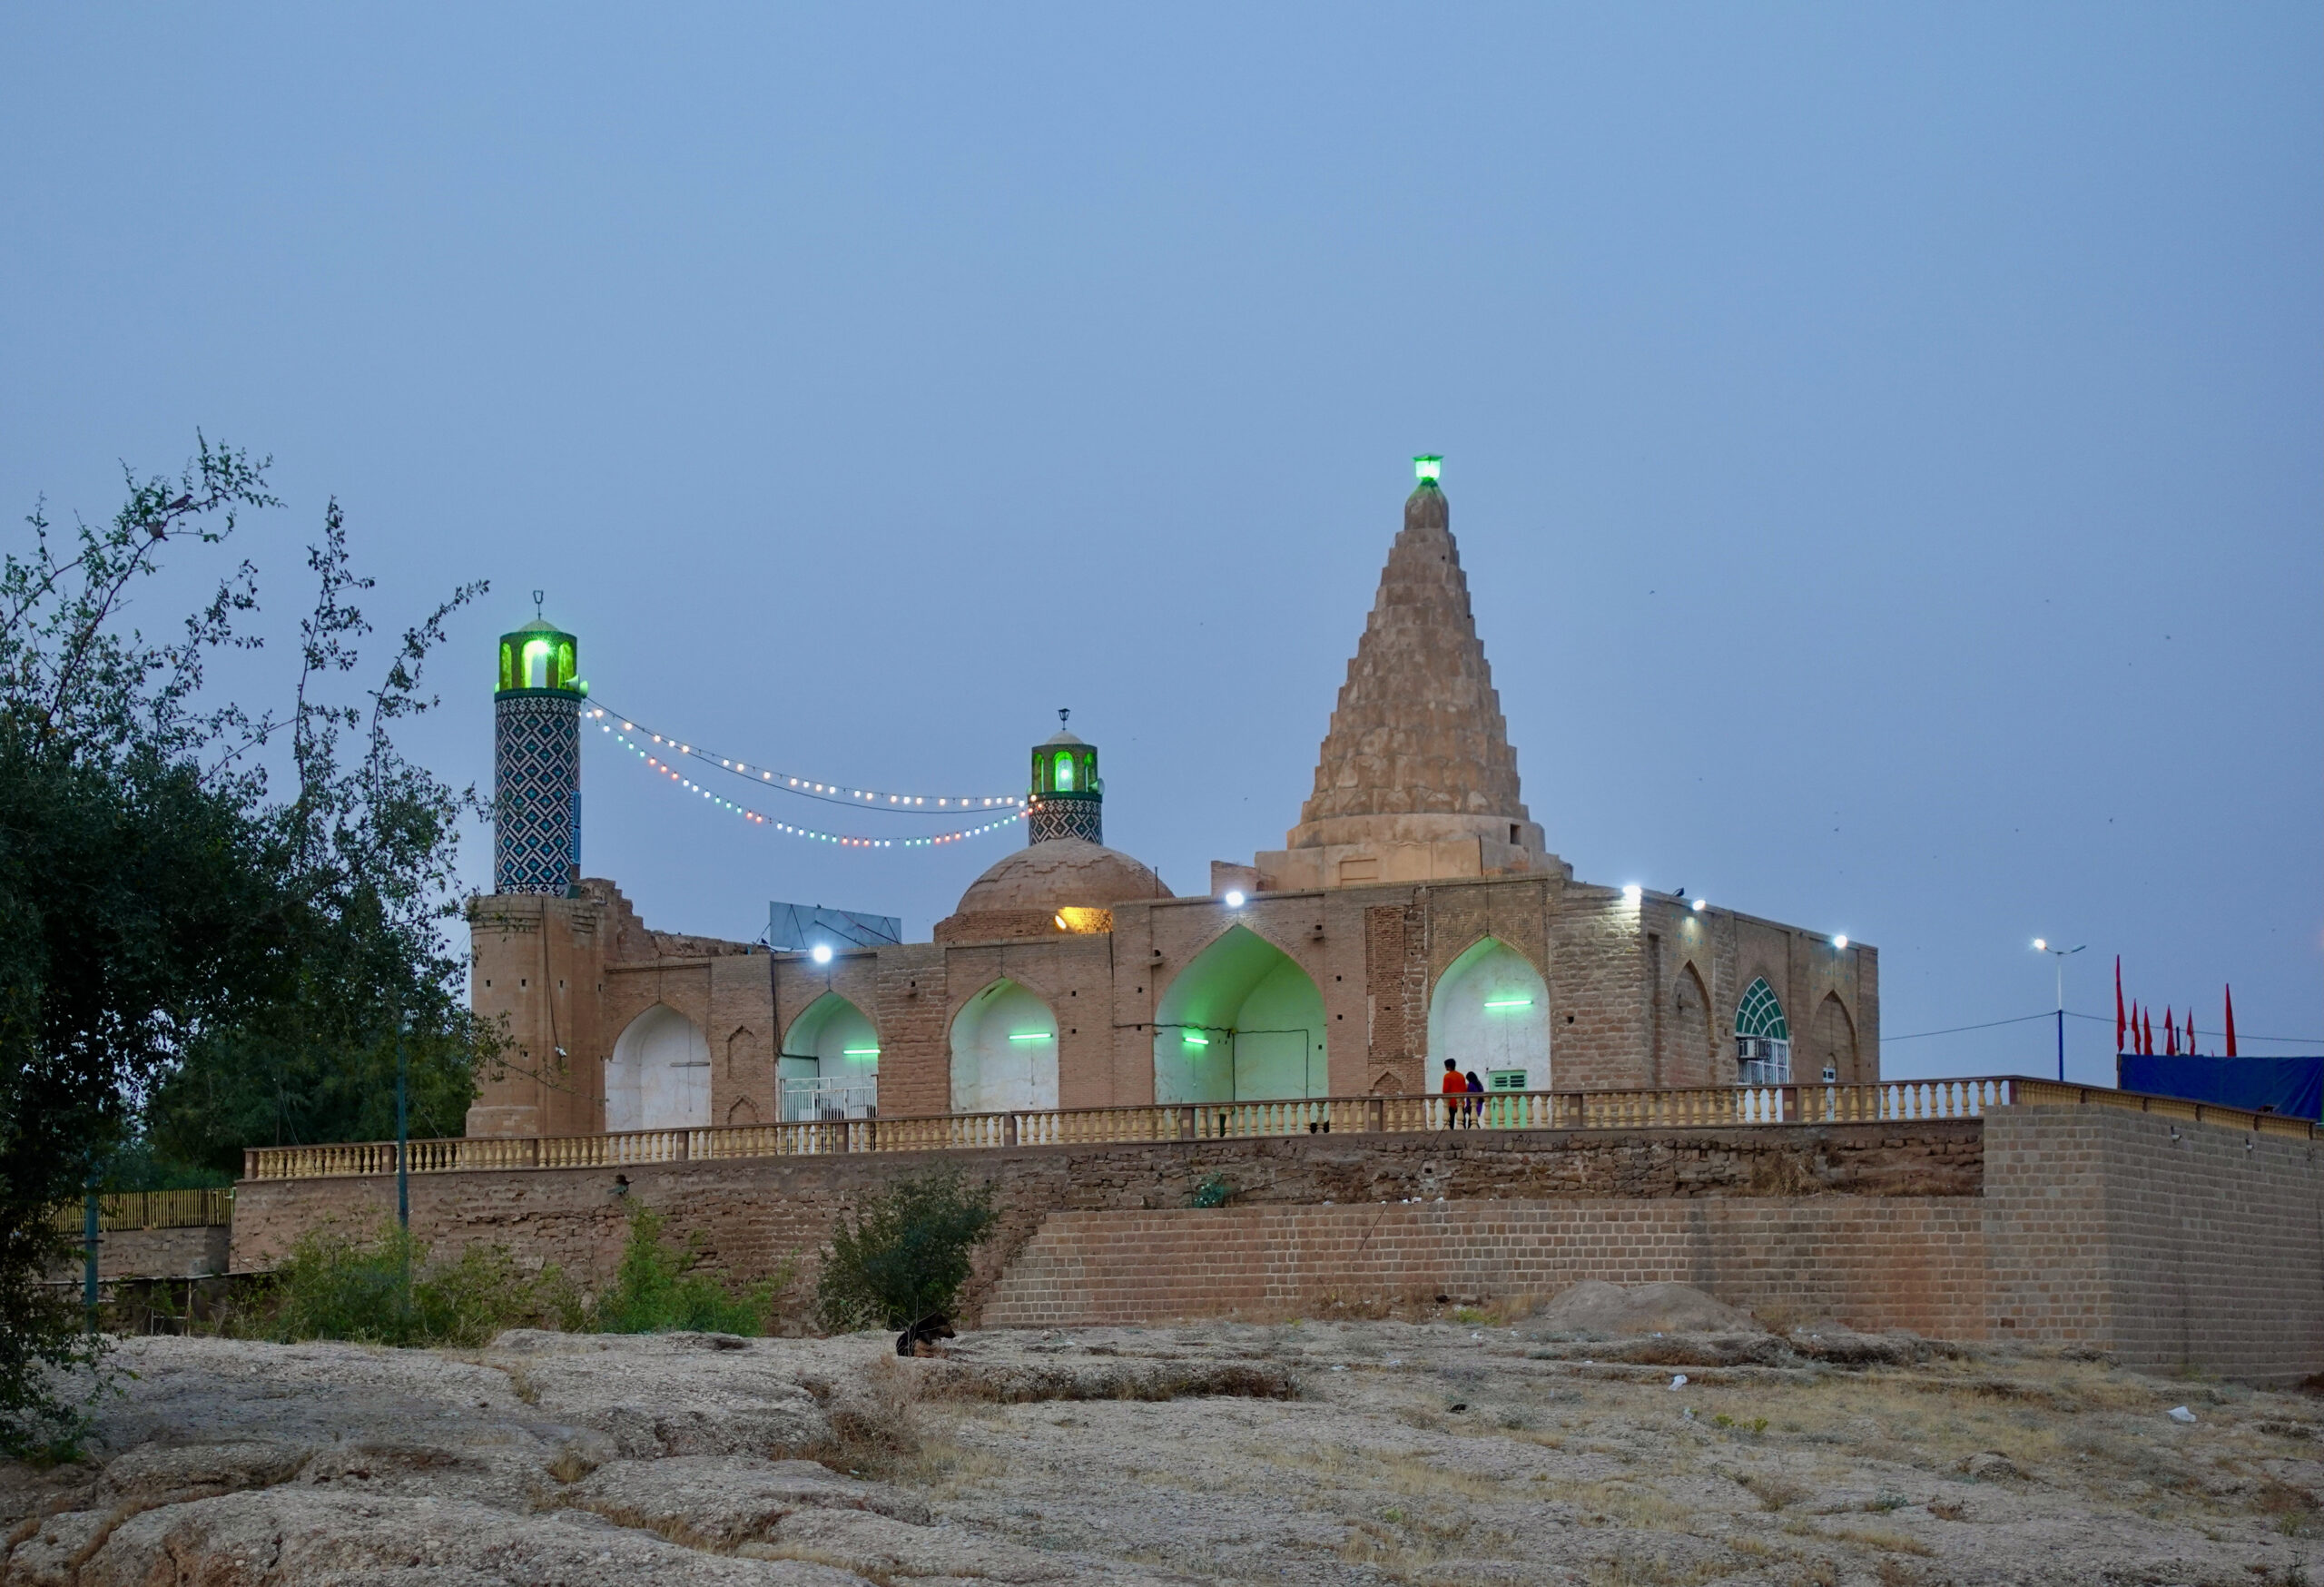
540 658
536 761
1066 795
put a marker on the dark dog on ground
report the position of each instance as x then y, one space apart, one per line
920 1339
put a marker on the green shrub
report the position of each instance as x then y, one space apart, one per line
1215 1191
903 1258
656 1291
383 1291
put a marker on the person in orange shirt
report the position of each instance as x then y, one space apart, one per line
1455 1085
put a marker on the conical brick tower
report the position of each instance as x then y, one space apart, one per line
1416 780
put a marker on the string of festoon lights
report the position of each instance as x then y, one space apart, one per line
657 763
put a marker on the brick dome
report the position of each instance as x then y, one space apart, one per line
1062 874
1023 894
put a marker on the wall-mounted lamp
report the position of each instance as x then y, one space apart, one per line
1633 893
820 953
1235 898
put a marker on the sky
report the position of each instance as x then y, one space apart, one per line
1885 443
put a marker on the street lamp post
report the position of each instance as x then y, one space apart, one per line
403 1121
2061 955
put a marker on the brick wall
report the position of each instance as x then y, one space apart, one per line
2175 1245
1896 1262
154 1253
753 1213
2065 1225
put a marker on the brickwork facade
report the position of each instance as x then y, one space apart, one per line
2059 1225
568 976
2178 1244
751 1213
1904 1262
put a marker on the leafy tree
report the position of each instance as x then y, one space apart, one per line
903 1259
370 847
183 958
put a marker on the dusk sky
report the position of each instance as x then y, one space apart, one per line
1885 444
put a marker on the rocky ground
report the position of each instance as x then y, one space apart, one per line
1562 1449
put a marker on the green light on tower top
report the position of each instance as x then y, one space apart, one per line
540 658
1426 466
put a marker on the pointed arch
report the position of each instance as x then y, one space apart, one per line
1491 1014
828 1066
1004 1051
1691 1055
1831 1045
1241 1022
659 1074
1762 1037
743 1111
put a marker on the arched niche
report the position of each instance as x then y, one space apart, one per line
1762 1037
828 1066
1690 1056
659 1074
1491 1014
1004 1052
1241 1023
1832 1043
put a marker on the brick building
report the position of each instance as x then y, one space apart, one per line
1414 914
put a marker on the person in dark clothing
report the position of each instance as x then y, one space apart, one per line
1476 1089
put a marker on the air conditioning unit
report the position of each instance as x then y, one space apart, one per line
1762 1061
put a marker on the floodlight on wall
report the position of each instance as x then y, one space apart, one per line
1840 942
1427 467
1633 893
820 953
1234 898
1700 904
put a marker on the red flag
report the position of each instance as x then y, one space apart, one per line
2146 1032
2170 1032
2230 1021
2190 1032
2118 1005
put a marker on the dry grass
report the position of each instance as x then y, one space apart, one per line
1407 1476
1632 1505
570 1466
1885 1539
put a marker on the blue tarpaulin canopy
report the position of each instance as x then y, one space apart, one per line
2290 1086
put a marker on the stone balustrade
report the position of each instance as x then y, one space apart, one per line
1703 1107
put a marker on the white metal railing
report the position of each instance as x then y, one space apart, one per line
829 1097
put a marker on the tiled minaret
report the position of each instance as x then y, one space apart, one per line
1066 799
1417 778
537 761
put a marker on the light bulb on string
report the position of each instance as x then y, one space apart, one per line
808 788
756 818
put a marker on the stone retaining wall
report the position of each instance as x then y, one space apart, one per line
1913 1262
2202 1249
753 1213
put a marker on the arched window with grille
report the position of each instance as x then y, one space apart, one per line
1762 1039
